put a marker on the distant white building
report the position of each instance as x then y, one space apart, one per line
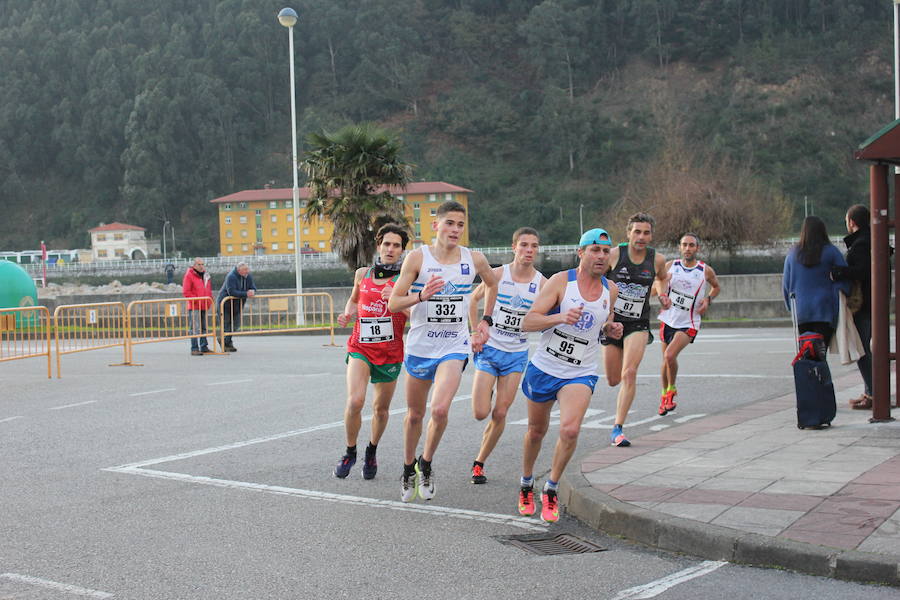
118 241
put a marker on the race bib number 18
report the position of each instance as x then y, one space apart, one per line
374 330
444 309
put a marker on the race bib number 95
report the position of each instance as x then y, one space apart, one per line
566 347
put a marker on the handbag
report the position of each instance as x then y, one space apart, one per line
855 299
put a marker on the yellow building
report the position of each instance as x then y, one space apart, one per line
262 221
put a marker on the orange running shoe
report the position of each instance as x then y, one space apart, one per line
526 501
549 507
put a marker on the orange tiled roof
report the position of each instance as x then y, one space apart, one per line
117 227
418 187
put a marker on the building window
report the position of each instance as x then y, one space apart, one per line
274 218
120 251
274 245
101 253
290 245
243 219
415 206
290 231
228 220
321 231
400 197
432 197
229 248
289 204
118 236
274 232
228 233
321 244
417 220
273 204
243 233
303 204
101 237
306 245
306 231
258 212
433 212
448 197
288 218
242 205
244 247
228 206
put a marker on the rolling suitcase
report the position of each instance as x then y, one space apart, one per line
816 405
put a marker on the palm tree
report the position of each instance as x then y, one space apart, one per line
348 176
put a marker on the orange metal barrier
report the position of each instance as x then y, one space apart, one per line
83 327
277 313
25 333
164 320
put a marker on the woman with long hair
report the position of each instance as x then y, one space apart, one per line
807 275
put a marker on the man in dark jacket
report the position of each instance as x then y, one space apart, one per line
859 271
238 285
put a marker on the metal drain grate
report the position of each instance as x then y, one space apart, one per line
550 545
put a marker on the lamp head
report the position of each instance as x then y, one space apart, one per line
287 17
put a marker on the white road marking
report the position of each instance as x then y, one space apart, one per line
254 441
721 375
53 585
659 427
458 513
687 418
72 405
655 588
7 419
230 382
152 392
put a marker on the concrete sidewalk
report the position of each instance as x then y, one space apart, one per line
747 486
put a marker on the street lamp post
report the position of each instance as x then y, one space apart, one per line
580 218
288 18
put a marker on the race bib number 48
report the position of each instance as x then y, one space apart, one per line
444 309
681 300
566 347
374 330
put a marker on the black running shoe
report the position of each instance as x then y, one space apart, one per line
343 468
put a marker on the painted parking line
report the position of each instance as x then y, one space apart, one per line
655 588
73 405
8 419
528 524
55 585
152 392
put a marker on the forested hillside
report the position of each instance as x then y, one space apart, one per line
143 111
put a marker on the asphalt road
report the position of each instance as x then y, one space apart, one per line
210 477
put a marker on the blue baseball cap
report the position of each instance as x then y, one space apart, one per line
593 236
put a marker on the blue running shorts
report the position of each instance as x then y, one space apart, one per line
540 387
425 368
499 363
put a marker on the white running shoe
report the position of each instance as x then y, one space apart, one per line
426 483
408 487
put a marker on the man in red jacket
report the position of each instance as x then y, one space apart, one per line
197 283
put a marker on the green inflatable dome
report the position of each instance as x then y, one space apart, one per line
16 287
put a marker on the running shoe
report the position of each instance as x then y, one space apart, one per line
663 411
670 400
549 506
618 438
478 474
407 487
526 501
343 468
425 487
370 467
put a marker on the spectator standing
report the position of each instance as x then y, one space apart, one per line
170 272
197 284
807 275
859 273
238 285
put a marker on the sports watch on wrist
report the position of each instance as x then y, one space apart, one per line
488 319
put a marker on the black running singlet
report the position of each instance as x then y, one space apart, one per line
635 282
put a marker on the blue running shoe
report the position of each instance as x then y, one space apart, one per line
618 438
343 468
370 467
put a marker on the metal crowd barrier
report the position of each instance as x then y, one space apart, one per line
164 320
277 313
25 333
84 327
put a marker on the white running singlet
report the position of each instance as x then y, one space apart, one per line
687 287
440 325
570 351
513 301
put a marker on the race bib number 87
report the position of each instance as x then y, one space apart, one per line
444 309
631 308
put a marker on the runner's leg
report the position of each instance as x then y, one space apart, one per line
612 364
538 423
670 355
357 379
482 390
507 385
632 354
381 404
446 384
416 398
573 400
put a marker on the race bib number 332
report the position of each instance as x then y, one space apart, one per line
445 309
